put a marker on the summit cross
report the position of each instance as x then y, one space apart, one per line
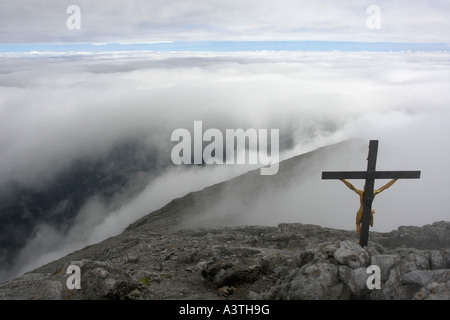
368 194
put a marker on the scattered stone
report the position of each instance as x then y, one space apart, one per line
434 291
226 291
357 282
438 260
352 254
99 281
386 262
291 261
424 277
229 270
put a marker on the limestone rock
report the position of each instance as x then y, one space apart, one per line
434 291
351 254
226 291
99 281
291 261
357 282
234 268
432 236
438 260
313 281
424 277
386 262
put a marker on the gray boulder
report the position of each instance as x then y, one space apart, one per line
357 282
99 281
351 254
438 260
434 291
386 262
231 268
318 281
424 277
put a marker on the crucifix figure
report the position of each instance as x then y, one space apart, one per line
361 199
364 216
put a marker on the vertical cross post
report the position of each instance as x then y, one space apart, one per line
368 192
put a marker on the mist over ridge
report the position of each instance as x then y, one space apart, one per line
85 140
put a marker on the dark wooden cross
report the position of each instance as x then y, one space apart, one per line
370 175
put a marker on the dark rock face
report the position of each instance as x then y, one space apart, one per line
290 261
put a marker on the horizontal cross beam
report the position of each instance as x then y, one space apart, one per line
328 175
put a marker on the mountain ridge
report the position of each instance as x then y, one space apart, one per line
249 180
181 252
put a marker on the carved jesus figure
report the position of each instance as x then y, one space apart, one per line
361 197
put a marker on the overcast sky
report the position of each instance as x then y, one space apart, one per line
44 21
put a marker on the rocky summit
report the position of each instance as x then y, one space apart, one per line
288 261
201 246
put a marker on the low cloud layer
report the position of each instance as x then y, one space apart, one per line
55 109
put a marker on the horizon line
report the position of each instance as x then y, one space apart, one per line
225 46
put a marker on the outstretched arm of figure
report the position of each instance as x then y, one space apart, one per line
350 186
387 185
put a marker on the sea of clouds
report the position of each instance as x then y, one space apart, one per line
56 108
